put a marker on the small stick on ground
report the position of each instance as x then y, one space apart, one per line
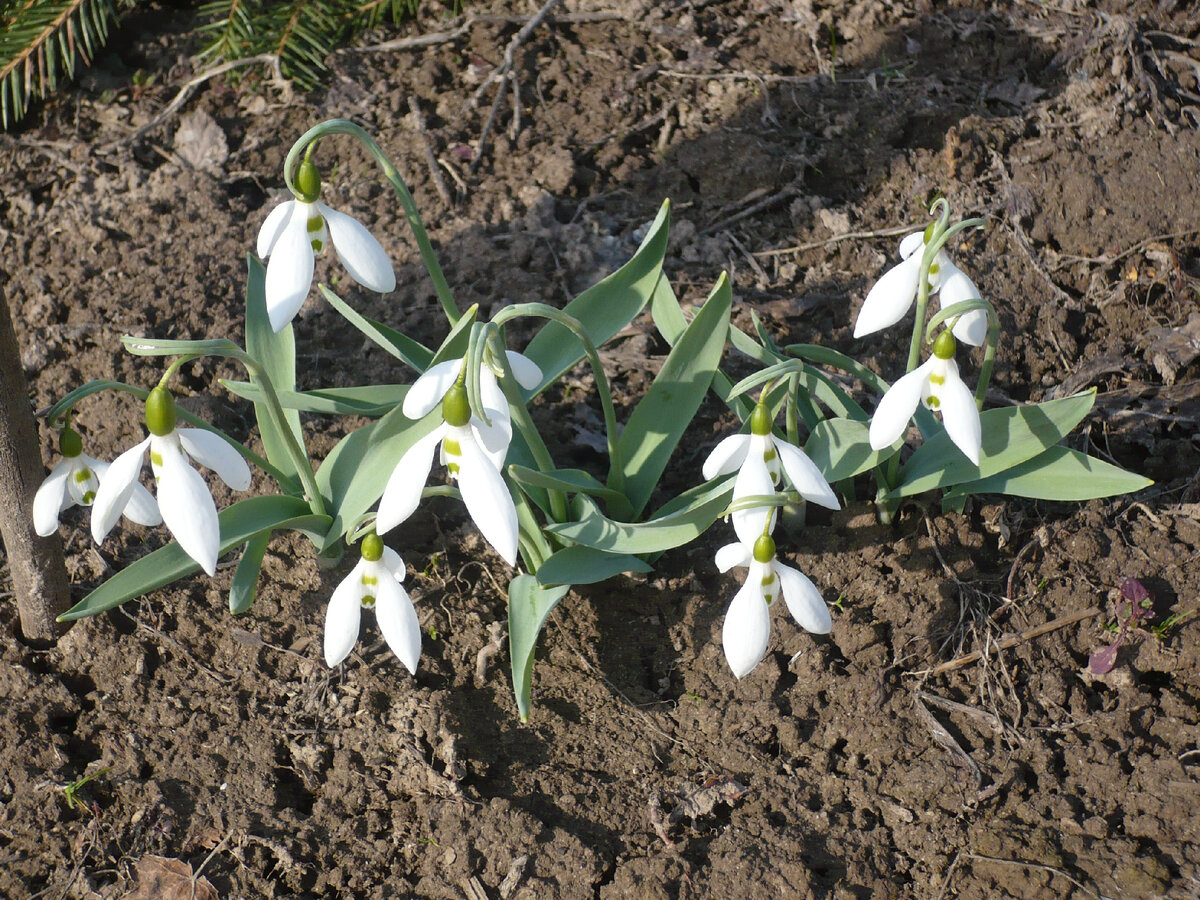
430 160
837 238
1010 642
1020 863
961 758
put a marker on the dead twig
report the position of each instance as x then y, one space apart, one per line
837 238
1010 642
774 200
426 144
1023 864
445 37
961 758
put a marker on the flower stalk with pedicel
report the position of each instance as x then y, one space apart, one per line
373 583
473 448
75 480
925 268
184 500
297 230
937 384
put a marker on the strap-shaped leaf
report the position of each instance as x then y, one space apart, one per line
528 606
276 353
680 521
1058 473
240 523
245 578
1011 435
840 448
371 400
658 422
605 308
571 481
586 565
408 351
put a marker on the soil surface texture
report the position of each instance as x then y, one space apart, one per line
797 141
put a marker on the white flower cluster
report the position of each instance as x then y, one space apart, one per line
761 459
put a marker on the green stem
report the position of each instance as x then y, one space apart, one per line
616 468
342 126
534 547
989 360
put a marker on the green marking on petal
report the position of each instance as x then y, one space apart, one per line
88 497
315 224
83 475
769 456
368 601
937 379
452 447
370 579
453 469
318 246
933 402
155 458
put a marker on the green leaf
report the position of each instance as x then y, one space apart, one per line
658 422
586 565
240 523
354 474
605 308
276 353
410 352
245 578
1058 473
571 481
687 519
1011 435
528 606
372 400
841 449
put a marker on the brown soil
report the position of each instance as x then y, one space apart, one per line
646 770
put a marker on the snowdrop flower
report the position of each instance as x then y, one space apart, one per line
374 582
892 295
937 384
747 627
75 481
761 450
297 230
184 500
472 451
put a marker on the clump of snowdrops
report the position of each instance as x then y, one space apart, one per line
462 429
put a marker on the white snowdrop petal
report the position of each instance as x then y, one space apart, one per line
50 498
397 620
735 554
343 616
214 452
493 439
746 630
290 270
890 299
142 508
487 498
394 564
727 456
272 227
897 406
116 487
911 244
403 491
429 389
362 255
187 507
805 477
524 369
803 600
971 328
960 415
753 479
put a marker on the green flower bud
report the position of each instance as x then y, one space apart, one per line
160 412
70 444
760 420
308 181
456 409
945 345
372 547
764 549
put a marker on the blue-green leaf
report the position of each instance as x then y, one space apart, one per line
410 352
841 449
586 565
240 523
528 606
245 578
1058 473
670 529
571 481
605 308
664 413
364 400
1011 435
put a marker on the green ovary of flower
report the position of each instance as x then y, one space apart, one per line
160 412
764 549
945 345
456 410
371 549
760 420
308 181
70 444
